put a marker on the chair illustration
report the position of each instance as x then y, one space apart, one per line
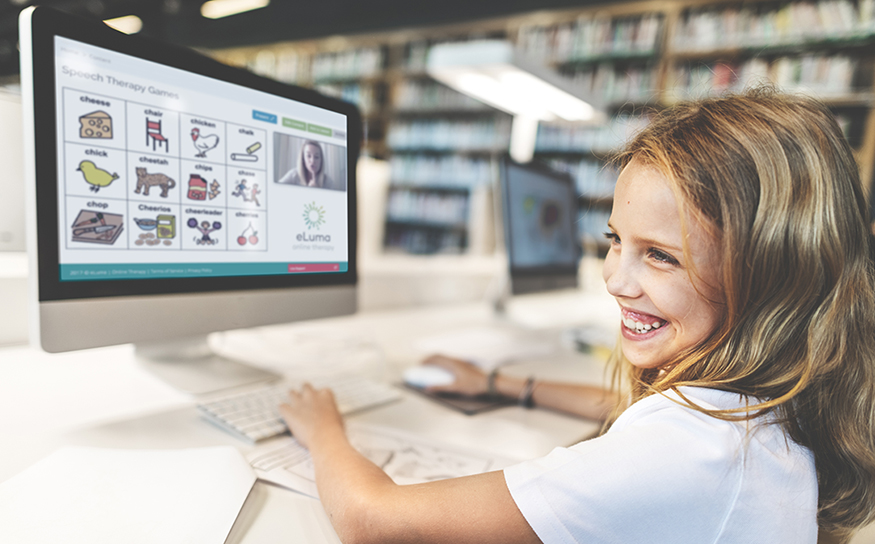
153 133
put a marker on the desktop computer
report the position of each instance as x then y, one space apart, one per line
170 196
539 209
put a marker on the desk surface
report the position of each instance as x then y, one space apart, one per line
104 398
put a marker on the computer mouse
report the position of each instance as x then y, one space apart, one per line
424 376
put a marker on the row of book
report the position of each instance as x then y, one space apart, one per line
416 57
489 135
592 37
440 171
364 95
593 179
821 75
599 139
351 63
446 209
745 25
424 241
418 95
612 84
286 65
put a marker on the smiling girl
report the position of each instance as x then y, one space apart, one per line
739 261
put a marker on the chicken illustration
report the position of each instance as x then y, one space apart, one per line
95 176
203 143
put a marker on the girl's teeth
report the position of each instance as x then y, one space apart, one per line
640 327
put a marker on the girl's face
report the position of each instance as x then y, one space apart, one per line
665 309
312 158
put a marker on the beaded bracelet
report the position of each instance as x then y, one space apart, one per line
490 383
526 399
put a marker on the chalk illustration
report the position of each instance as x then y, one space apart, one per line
145 180
248 156
154 135
97 227
205 228
97 124
203 143
95 176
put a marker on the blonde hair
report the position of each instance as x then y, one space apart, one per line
303 173
775 176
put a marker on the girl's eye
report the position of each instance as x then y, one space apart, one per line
662 256
612 238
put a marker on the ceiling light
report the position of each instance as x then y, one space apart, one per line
129 24
216 9
493 72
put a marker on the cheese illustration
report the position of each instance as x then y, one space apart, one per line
97 124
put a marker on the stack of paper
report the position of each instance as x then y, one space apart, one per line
94 496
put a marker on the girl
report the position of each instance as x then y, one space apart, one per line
311 168
739 260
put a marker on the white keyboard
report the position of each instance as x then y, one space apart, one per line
254 415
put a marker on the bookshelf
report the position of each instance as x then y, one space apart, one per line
636 57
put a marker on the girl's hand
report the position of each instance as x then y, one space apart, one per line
310 411
470 380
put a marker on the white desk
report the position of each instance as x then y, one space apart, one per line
104 398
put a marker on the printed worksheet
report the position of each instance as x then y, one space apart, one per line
406 459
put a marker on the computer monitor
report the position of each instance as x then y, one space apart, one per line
171 196
539 208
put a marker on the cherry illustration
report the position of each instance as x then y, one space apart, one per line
241 240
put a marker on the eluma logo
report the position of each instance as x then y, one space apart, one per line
314 218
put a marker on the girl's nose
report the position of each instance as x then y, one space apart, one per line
619 275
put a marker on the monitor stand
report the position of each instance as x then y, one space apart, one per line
189 365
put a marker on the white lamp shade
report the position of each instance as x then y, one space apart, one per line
492 72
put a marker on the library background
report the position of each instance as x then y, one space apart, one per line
632 58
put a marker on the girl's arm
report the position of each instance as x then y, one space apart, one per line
365 505
586 401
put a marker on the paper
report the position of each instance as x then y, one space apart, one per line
405 459
95 496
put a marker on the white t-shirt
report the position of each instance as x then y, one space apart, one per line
666 473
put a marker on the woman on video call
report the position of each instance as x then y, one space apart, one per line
310 171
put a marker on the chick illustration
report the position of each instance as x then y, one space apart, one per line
95 176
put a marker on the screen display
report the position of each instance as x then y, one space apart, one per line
164 173
541 212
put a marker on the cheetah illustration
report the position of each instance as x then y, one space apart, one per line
146 180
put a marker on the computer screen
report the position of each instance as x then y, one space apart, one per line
173 196
540 218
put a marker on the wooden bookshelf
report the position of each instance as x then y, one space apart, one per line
635 57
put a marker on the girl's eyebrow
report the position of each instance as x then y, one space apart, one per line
650 241
656 243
